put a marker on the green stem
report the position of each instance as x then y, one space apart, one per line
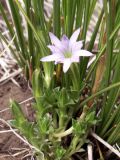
100 92
70 130
75 77
63 134
56 17
68 17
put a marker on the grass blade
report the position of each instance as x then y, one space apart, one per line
56 18
17 21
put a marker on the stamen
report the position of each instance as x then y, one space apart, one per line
68 54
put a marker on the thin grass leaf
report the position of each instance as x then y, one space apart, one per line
109 16
85 25
40 40
79 14
13 52
40 4
91 45
30 33
93 37
56 18
112 95
114 134
48 67
73 15
92 7
117 118
10 28
17 21
100 92
68 17
111 119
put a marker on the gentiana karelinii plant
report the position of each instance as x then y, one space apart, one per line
66 103
66 50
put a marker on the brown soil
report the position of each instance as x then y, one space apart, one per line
10 145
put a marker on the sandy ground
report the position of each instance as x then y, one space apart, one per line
12 148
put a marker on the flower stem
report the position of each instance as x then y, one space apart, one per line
70 130
63 134
75 77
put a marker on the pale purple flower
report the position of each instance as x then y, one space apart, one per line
66 50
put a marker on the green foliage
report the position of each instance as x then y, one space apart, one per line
82 126
20 122
60 151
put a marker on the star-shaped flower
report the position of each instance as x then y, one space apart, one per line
66 50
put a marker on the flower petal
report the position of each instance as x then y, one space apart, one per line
64 38
82 53
49 58
54 49
77 46
75 59
65 43
66 64
74 36
54 40
91 61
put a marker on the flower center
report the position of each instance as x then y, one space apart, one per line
68 54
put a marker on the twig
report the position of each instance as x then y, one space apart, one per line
15 82
21 152
8 131
116 145
11 75
6 109
28 155
10 43
90 152
106 144
29 99
18 149
6 78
